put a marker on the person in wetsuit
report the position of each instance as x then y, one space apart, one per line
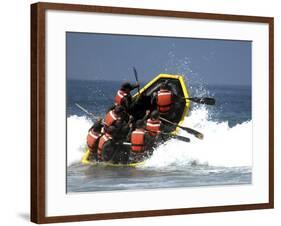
140 141
112 116
153 124
94 134
106 146
163 99
123 96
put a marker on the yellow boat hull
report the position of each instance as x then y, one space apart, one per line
85 161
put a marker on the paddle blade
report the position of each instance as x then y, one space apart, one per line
181 138
136 74
189 130
199 136
203 100
193 132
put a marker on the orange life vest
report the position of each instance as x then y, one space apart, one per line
92 139
102 141
153 126
110 118
137 140
164 101
119 97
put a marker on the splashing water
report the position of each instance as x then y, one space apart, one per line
77 130
221 146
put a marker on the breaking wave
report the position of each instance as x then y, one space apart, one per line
77 130
222 145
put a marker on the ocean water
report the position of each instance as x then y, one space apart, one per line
224 157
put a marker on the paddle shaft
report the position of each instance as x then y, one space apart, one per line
202 100
86 111
136 77
189 130
173 136
178 137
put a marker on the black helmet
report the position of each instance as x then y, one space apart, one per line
97 126
126 86
155 114
140 124
111 130
119 109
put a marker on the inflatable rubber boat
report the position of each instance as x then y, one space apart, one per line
142 103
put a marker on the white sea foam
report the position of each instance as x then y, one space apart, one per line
77 130
221 146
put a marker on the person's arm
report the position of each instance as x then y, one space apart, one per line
147 139
129 134
146 115
131 119
153 99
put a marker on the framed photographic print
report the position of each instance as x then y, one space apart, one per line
139 112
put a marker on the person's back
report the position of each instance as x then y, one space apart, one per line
123 96
162 100
153 124
108 151
122 129
139 141
106 145
112 116
120 97
105 138
93 137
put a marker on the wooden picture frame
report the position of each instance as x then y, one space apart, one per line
38 108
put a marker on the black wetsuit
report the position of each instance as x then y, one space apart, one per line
108 150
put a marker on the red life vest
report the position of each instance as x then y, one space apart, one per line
92 139
137 140
153 126
102 141
110 118
164 101
119 97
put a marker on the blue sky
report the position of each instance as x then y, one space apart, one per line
111 57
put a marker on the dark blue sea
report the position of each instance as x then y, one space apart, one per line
233 103
223 157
